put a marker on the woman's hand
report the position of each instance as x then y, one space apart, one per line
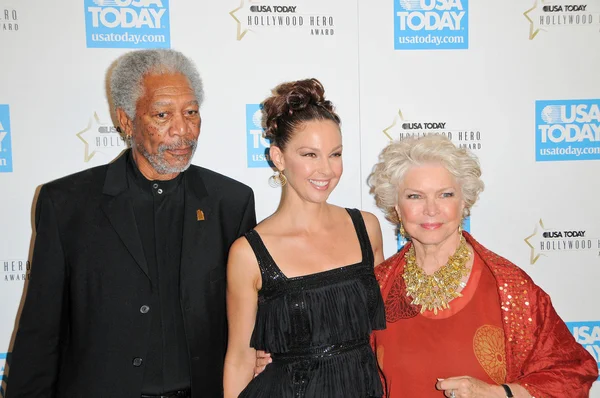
468 387
262 360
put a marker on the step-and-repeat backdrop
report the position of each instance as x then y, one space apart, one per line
516 82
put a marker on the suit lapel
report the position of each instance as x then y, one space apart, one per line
119 210
197 217
120 213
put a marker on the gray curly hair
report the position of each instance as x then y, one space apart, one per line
126 77
399 156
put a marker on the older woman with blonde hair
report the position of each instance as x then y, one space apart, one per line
461 319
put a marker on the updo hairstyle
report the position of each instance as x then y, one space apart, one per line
293 104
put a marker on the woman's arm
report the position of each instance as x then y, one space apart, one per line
374 232
243 279
558 365
466 386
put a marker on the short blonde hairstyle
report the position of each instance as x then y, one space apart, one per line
399 156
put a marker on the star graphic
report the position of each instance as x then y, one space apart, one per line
533 27
240 33
397 118
88 156
533 257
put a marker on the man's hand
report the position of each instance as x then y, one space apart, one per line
262 360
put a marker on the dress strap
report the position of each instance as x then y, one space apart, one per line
269 271
363 236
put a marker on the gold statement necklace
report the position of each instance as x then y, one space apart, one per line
434 292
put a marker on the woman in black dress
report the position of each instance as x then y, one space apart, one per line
301 284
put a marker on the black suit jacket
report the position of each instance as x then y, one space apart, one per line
83 331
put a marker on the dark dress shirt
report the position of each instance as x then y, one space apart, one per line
158 208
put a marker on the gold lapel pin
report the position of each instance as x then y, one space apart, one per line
199 215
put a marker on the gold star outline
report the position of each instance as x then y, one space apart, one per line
240 34
532 31
397 118
533 257
88 156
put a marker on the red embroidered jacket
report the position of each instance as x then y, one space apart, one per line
541 353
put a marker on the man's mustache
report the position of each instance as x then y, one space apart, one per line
181 143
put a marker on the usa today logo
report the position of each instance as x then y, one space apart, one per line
127 23
6 164
258 146
431 24
4 359
588 335
567 130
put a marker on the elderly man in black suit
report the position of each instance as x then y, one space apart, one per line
127 289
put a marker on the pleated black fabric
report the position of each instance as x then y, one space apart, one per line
317 328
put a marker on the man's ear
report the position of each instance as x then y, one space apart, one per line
277 157
125 122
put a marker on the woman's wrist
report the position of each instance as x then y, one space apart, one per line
519 391
497 391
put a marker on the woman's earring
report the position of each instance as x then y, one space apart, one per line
402 230
278 179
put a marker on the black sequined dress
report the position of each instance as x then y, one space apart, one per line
317 328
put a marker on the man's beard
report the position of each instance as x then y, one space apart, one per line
158 161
